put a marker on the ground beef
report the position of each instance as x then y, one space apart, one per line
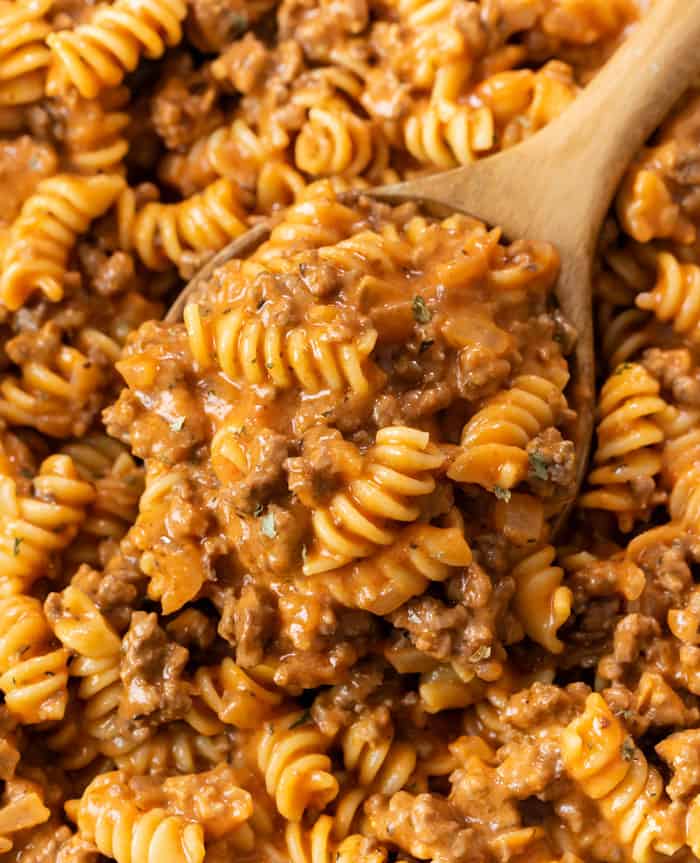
327 463
212 24
651 703
465 631
248 621
542 705
244 64
151 671
337 707
681 751
676 372
46 844
109 274
668 578
268 453
184 107
192 628
212 799
552 459
24 163
529 767
76 849
426 826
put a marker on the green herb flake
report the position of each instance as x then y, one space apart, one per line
502 493
301 720
421 312
177 424
425 345
17 543
627 749
267 525
258 511
538 465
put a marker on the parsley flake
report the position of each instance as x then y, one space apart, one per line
421 312
301 720
258 511
538 465
177 424
15 548
502 493
267 525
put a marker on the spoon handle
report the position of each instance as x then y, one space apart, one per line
558 184
635 89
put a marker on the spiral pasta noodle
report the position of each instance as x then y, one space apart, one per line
33 674
541 603
420 554
382 763
675 297
99 54
317 846
127 835
398 468
612 771
297 772
447 143
234 696
493 445
316 356
42 236
163 234
95 133
36 527
57 398
628 433
24 56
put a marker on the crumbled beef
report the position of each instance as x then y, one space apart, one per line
244 64
151 671
542 704
76 849
632 635
192 628
46 844
327 462
552 459
268 453
212 799
426 826
247 622
336 707
184 109
681 751
213 24
530 766
24 163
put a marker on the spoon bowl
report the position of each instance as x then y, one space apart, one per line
558 184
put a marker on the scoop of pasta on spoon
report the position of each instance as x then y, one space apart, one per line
558 184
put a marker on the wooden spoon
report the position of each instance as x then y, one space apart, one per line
558 184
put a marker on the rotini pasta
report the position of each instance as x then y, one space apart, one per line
100 53
41 238
493 445
627 437
33 674
35 527
612 771
317 356
541 602
399 467
24 56
291 756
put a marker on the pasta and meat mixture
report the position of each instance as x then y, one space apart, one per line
279 582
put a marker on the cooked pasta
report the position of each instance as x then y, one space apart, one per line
33 673
541 602
317 356
626 459
100 53
292 757
24 57
493 445
122 832
41 238
37 526
612 771
399 467
284 581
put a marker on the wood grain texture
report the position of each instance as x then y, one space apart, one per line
558 184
